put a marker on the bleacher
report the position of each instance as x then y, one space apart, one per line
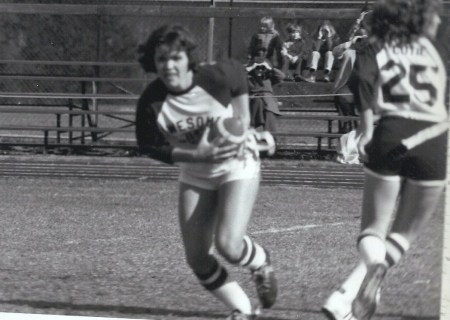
85 103
86 117
54 108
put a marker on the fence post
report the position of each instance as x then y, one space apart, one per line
96 86
95 102
230 33
84 107
211 35
70 121
58 125
45 141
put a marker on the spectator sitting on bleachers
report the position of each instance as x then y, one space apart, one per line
261 78
325 38
269 38
346 52
294 52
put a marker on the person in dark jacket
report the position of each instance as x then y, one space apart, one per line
262 76
295 51
269 38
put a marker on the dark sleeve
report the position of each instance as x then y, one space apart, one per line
252 45
364 78
274 51
237 77
149 138
277 76
443 49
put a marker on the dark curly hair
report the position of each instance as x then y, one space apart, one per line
401 21
167 37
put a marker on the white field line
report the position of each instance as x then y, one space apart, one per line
296 228
99 240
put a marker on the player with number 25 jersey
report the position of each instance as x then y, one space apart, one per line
406 81
400 81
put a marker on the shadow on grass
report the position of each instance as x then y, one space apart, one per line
128 310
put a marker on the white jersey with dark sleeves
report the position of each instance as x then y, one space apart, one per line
404 81
184 116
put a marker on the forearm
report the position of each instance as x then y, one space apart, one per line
180 154
367 126
339 50
241 108
205 150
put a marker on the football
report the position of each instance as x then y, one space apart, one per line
232 129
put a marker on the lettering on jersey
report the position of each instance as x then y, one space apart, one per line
171 128
192 137
191 123
190 129
411 81
409 50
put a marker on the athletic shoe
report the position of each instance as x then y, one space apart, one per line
310 78
266 283
337 307
238 315
365 303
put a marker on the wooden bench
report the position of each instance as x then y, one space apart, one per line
319 135
88 80
85 77
85 130
96 133
84 105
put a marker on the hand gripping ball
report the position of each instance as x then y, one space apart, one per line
232 129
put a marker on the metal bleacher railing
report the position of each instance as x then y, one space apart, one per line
83 105
85 116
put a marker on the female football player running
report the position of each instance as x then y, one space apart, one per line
218 184
401 78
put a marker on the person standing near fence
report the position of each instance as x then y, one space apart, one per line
218 184
269 38
401 77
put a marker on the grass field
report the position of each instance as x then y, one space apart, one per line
112 248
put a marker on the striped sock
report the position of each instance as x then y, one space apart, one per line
396 246
215 278
253 255
372 247
230 293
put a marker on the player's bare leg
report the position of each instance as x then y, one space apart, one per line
236 200
379 203
417 205
197 220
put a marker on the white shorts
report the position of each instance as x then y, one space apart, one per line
239 170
